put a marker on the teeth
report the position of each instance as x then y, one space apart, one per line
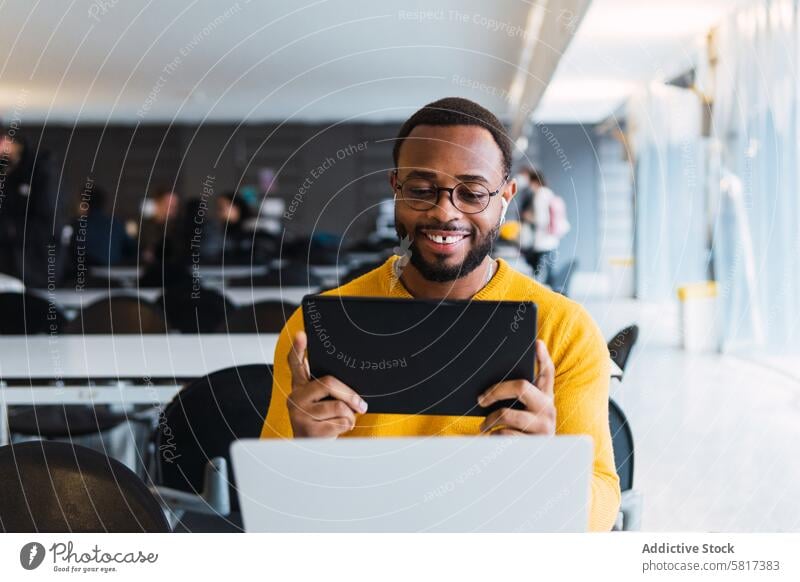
445 240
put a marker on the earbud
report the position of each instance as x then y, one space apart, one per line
505 209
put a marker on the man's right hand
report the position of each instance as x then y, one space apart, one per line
310 413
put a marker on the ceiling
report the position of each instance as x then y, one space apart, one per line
622 45
310 60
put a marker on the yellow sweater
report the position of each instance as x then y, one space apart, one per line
575 343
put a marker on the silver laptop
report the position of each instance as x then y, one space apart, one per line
443 484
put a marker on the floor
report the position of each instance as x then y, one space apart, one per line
717 438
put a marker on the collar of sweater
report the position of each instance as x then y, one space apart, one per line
493 290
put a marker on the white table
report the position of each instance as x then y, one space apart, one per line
223 272
72 299
129 369
129 276
125 369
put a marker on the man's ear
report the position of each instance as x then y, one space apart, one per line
393 179
510 190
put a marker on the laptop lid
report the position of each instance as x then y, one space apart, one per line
415 484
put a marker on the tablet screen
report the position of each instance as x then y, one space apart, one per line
412 356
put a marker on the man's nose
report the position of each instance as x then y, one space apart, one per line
444 210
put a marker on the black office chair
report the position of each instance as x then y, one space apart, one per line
192 310
120 314
54 487
64 421
621 345
630 514
204 419
262 317
28 314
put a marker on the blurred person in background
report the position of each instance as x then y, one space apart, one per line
159 237
236 240
163 243
545 223
29 217
98 238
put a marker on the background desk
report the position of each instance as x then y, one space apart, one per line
121 369
104 369
70 299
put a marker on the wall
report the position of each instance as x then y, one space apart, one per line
334 173
566 155
331 183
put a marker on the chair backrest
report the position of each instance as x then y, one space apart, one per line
118 314
204 419
621 345
51 486
24 313
262 317
622 443
192 310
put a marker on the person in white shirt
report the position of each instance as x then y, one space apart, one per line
543 213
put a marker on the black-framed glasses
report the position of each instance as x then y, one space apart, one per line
468 197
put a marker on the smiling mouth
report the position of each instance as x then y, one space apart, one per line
445 237
446 240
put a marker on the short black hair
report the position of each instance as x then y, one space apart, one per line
457 111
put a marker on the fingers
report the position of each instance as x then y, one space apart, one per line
341 391
547 371
332 409
534 400
330 428
319 418
518 420
297 358
533 396
326 387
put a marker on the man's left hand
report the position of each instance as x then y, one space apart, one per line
539 415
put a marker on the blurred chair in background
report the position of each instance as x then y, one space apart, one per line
192 310
118 315
28 314
261 317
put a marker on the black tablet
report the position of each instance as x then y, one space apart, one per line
412 356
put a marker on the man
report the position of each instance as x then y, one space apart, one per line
157 239
29 217
447 237
162 243
539 211
99 238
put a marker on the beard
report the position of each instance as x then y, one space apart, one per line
439 272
